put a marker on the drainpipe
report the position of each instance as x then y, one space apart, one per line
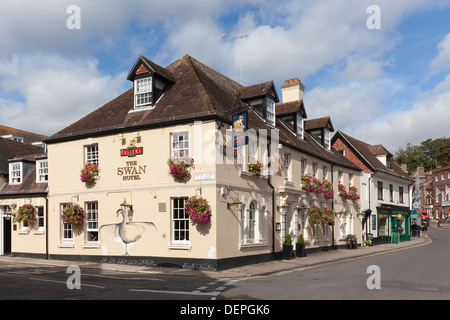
273 200
46 228
333 245
369 183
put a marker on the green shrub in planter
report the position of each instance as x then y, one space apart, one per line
287 247
300 247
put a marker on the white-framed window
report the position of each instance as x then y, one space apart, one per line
287 163
91 154
270 111
345 224
66 228
91 221
300 126
40 218
143 92
42 171
15 172
253 224
303 166
327 139
180 144
180 221
340 177
314 169
252 151
325 230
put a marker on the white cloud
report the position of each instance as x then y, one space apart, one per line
54 91
428 118
443 58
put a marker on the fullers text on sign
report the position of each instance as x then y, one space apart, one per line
132 171
130 152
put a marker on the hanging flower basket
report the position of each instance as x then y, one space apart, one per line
73 214
352 193
26 213
342 192
329 216
255 168
89 173
307 183
316 216
179 167
198 209
328 189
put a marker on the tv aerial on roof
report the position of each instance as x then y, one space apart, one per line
242 37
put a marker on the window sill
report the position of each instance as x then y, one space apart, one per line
138 109
262 243
248 174
179 246
66 245
91 245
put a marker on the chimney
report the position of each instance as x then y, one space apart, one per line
404 167
292 90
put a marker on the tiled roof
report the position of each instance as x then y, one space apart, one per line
319 123
258 90
369 154
10 149
198 91
27 187
291 107
29 137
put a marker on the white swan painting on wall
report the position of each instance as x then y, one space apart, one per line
125 232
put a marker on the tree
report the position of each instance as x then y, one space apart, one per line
429 154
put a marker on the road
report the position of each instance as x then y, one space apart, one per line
414 273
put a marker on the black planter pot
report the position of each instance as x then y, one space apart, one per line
300 250
287 251
352 244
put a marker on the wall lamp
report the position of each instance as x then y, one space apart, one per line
126 204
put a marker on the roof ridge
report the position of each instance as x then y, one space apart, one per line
204 94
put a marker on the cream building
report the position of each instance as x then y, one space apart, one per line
136 209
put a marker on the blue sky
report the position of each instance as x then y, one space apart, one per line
385 86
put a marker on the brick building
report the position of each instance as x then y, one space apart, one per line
441 192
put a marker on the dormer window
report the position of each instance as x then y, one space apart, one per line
150 82
42 170
262 98
13 137
270 111
327 139
143 92
300 126
320 129
15 173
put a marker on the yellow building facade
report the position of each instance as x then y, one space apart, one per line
182 119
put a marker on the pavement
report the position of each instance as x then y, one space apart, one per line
277 267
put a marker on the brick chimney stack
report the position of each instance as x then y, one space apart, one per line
292 90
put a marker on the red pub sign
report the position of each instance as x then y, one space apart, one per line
131 152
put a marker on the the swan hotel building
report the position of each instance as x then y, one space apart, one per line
136 210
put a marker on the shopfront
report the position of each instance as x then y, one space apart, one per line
394 223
